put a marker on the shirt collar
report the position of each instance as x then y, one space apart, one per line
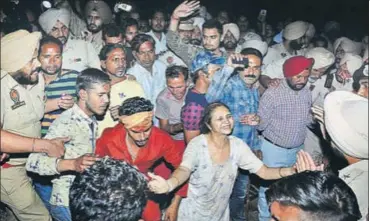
79 112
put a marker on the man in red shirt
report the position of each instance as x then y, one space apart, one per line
139 143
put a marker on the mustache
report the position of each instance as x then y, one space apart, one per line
250 76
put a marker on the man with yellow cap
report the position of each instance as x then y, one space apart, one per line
77 54
139 143
22 107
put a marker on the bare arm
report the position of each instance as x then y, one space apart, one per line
14 143
268 173
160 185
170 128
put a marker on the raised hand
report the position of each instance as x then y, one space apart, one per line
305 162
185 9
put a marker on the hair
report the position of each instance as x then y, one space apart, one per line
111 30
139 39
50 40
109 190
127 23
321 196
135 105
195 75
90 76
320 38
103 55
176 70
252 51
207 116
156 10
213 23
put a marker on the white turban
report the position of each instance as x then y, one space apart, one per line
347 45
233 28
186 25
101 7
311 31
353 61
17 49
256 44
366 55
198 21
322 57
49 18
251 36
347 121
295 30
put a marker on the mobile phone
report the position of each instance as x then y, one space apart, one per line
245 61
122 6
262 15
329 80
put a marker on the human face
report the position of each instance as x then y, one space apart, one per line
243 23
229 41
60 31
222 121
317 73
113 40
339 54
298 82
343 73
94 22
28 75
284 213
146 54
196 37
51 59
158 22
223 17
177 86
131 32
185 35
211 39
144 26
139 137
269 31
135 16
251 74
115 63
97 99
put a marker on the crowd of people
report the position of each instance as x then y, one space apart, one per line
109 116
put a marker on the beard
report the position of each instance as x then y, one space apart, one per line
295 45
195 42
24 79
158 28
295 87
120 73
94 28
230 45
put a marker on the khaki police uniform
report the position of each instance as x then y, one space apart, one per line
21 111
79 55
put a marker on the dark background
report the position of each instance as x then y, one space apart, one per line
353 15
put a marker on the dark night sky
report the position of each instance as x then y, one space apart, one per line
352 14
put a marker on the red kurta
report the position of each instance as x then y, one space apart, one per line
160 144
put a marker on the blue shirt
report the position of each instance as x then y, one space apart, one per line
242 100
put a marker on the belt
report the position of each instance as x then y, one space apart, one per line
274 143
278 144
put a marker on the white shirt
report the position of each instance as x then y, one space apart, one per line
356 176
152 83
79 55
160 45
277 52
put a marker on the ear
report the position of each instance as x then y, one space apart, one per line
82 94
103 64
150 22
134 54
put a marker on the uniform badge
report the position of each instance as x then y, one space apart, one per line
14 95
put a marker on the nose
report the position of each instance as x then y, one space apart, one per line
142 136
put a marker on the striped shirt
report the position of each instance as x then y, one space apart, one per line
65 83
242 100
285 114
